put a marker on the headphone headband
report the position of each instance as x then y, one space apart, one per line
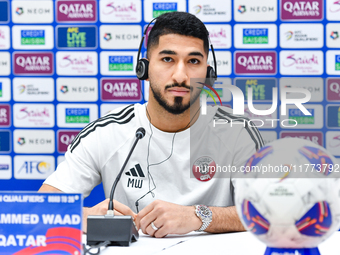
143 64
141 43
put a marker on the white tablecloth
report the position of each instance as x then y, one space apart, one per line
243 243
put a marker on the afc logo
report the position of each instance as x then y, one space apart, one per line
30 167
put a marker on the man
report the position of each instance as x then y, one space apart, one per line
157 176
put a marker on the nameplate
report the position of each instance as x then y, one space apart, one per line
40 223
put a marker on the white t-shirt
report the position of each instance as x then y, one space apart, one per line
98 152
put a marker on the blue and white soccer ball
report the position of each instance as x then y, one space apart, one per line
299 208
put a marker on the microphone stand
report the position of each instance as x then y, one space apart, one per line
118 230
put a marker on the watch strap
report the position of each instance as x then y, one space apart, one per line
206 220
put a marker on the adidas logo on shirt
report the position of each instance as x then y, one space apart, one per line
135 172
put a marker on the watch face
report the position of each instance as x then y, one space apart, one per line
205 212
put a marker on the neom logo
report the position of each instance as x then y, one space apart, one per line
74 89
64 89
34 141
3 63
259 9
20 11
334 35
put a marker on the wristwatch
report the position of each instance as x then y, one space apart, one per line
205 214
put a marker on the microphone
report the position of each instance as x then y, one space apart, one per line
140 133
119 230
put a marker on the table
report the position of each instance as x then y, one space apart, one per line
241 243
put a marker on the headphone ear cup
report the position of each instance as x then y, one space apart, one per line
211 73
211 76
142 69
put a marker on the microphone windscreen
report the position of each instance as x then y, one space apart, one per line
140 133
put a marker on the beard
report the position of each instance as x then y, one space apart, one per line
178 107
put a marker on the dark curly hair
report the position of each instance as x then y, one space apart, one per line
181 23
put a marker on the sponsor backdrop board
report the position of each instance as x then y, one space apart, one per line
65 63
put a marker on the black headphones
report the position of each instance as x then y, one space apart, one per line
142 67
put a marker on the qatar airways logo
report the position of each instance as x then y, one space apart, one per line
315 137
65 138
2 34
76 11
301 10
33 63
75 61
123 8
5 113
72 10
333 89
116 89
255 62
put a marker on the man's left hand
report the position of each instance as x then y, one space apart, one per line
169 218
